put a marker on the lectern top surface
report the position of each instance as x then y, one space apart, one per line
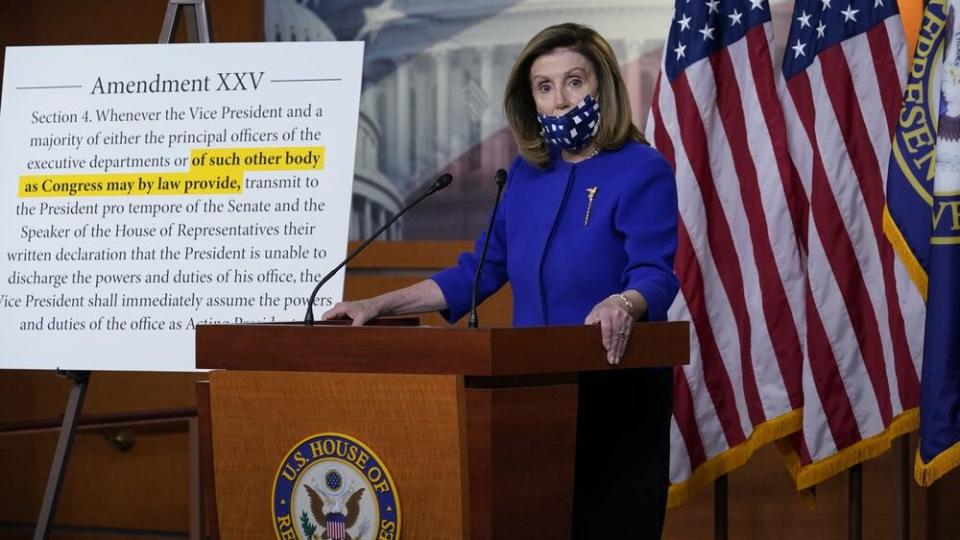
438 350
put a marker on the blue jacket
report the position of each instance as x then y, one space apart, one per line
558 265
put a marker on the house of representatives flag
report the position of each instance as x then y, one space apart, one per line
912 160
717 118
844 66
940 393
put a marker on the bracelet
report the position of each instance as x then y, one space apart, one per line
627 304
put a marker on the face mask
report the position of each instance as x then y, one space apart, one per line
574 130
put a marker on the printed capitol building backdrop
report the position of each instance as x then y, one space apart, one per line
433 85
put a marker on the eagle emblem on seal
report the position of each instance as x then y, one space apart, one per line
336 522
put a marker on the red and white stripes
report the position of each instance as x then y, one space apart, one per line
861 370
720 123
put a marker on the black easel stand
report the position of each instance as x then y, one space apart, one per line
62 455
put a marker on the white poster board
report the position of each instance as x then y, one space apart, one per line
151 188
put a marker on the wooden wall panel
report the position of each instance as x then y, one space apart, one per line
38 394
385 257
143 488
942 508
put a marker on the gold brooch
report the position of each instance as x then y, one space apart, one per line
591 193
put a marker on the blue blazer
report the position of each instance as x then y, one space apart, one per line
559 261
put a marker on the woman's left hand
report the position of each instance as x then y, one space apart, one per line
615 325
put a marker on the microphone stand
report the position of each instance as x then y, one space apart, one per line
500 177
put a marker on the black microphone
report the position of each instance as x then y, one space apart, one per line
441 182
500 177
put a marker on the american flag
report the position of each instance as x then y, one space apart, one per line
844 67
717 117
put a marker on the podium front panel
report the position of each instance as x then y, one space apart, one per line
415 425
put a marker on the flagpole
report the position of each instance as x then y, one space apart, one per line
855 503
720 508
903 487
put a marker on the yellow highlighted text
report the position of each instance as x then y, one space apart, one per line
217 171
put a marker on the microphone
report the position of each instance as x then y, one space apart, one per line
500 177
441 182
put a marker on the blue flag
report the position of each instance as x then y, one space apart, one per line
912 163
940 380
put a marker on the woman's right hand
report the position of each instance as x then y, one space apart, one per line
420 297
361 311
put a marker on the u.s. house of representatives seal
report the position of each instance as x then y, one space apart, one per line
332 487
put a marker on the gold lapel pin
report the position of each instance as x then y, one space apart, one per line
591 193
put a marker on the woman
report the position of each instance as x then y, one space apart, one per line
586 234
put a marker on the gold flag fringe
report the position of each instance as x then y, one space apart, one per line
735 457
916 272
927 473
808 476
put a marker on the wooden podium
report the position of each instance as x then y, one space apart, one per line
476 426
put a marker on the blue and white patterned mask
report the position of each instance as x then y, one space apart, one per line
574 130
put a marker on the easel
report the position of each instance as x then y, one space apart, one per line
198 31
198 25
